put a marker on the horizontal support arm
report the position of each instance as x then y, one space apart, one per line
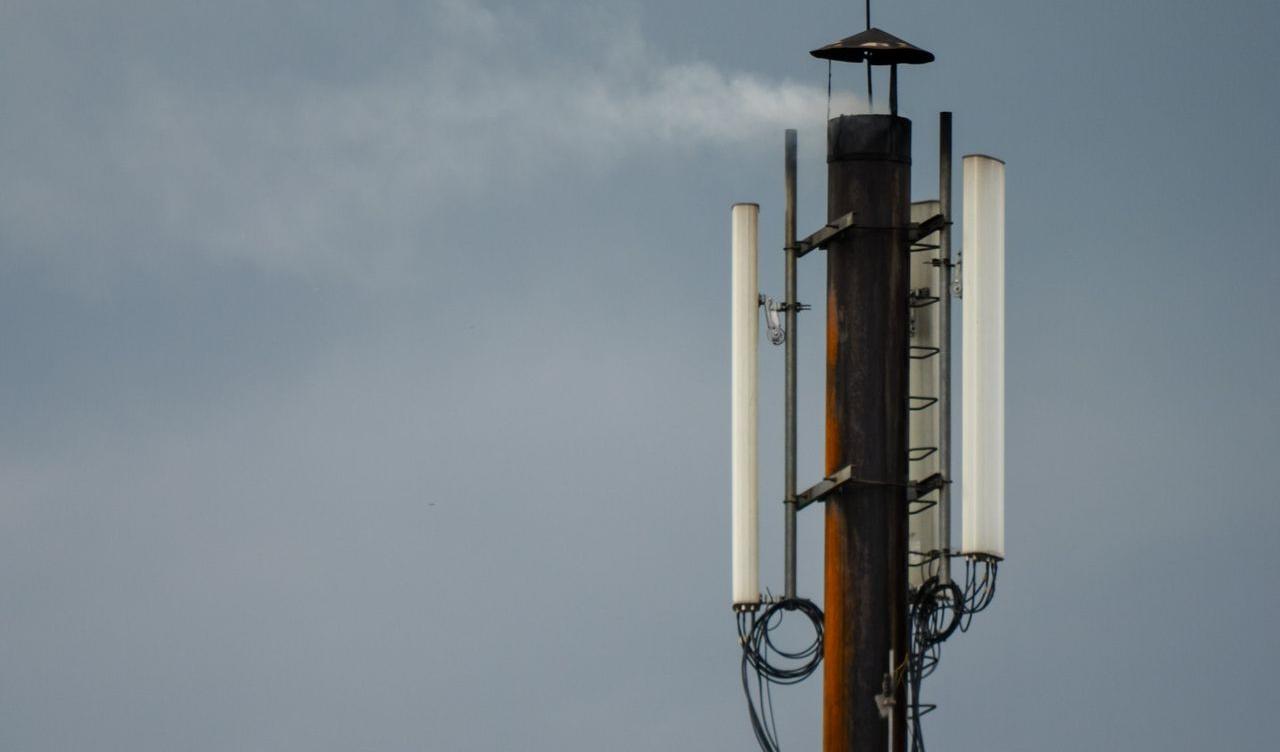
823 237
928 227
830 232
844 477
825 487
926 486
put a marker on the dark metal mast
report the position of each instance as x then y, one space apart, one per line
868 280
879 630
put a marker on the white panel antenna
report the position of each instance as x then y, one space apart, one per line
982 269
745 295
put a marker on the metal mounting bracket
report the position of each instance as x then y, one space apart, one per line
884 700
927 486
822 238
773 322
844 477
825 487
921 230
833 230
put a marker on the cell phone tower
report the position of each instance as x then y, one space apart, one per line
891 596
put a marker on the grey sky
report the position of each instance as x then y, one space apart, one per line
365 375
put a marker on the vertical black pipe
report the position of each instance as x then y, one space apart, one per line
944 339
869 174
790 441
893 89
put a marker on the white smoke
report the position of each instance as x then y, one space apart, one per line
294 175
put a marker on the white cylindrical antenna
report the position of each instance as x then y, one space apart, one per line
982 270
745 345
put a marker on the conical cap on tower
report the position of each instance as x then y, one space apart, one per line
875 46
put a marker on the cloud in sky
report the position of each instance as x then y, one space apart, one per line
296 172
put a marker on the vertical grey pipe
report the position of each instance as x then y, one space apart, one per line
790 252
893 89
871 99
944 336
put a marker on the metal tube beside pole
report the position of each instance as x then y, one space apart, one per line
790 440
944 336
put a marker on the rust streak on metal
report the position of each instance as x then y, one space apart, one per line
833 444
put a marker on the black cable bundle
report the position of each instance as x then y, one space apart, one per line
934 616
758 650
937 611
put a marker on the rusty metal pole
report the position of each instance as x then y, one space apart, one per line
869 174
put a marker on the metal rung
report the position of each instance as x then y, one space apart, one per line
922 247
928 562
915 454
929 352
928 402
920 297
925 505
